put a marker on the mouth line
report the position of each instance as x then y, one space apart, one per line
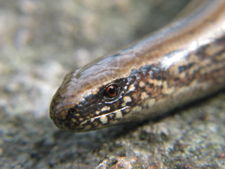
98 117
114 112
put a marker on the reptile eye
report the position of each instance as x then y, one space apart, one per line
111 91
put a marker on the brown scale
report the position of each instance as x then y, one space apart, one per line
182 62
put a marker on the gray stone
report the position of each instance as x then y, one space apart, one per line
42 40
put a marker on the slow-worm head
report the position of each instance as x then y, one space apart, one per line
182 62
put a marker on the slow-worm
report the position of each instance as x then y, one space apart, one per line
180 63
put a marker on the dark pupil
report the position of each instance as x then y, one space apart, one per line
111 91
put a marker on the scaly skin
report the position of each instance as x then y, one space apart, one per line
180 63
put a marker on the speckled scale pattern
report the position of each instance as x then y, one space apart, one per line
133 88
152 76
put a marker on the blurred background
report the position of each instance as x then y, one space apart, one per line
40 41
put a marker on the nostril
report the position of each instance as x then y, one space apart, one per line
70 113
60 117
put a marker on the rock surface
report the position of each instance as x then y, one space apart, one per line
41 40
